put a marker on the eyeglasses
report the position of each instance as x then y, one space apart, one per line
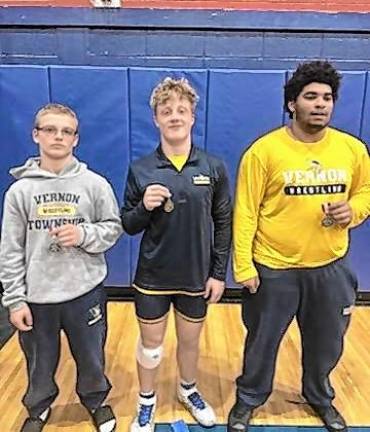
53 131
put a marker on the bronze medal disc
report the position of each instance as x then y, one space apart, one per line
168 206
55 247
327 221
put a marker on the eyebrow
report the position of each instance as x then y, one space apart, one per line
164 106
317 93
64 128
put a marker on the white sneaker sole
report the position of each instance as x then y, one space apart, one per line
190 410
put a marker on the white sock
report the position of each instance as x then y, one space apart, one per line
186 385
108 426
43 416
148 395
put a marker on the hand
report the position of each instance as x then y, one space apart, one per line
67 235
22 318
214 290
154 196
341 212
252 284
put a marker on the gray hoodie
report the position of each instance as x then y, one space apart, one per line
33 267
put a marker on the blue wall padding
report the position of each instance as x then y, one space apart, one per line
116 126
365 126
348 111
22 91
242 105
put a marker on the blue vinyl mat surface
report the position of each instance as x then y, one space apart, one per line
166 427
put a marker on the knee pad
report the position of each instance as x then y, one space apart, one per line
148 358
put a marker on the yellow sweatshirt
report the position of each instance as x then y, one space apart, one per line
281 187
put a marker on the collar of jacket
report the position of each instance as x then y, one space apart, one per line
163 161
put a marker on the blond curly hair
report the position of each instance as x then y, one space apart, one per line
162 92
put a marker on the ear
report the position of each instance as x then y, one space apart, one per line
155 121
75 142
35 133
193 119
291 106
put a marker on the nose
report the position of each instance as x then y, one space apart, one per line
321 102
176 118
59 134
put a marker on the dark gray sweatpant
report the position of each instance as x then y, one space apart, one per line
321 299
84 323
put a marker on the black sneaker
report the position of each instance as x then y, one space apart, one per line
331 418
104 416
239 417
35 424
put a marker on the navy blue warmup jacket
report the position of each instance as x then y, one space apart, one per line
182 248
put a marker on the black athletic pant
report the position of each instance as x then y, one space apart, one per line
84 323
321 299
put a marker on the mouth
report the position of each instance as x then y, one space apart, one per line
318 114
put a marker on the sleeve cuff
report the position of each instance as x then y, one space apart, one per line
242 276
82 235
16 306
218 276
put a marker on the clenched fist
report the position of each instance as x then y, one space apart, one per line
154 196
67 235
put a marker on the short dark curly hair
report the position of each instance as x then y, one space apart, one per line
320 71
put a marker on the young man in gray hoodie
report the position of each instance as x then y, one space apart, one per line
59 219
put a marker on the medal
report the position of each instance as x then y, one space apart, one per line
168 205
327 221
54 245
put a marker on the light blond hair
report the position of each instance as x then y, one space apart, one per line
162 92
54 108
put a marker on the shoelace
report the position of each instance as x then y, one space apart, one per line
196 399
145 413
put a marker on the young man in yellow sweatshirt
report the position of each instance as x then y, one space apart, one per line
300 189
